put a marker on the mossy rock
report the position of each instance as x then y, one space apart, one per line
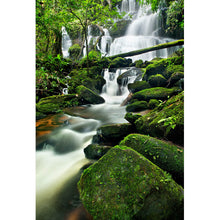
139 63
137 106
138 86
131 117
165 121
157 80
87 96
173 69
159 93
120 62
74 51
123 184
175 77
54 104
153 103
160 66
94 84
95 151
112 134
131 72
167 156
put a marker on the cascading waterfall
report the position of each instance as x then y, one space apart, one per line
66 43
106 41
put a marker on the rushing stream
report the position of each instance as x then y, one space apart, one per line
59 161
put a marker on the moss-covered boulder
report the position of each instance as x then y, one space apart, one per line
120 62
74 51
94 84
167 156
137 106
95 151
87 96
54 104
160 67
138 86
175 77
157 80
131 117
159 93
165 121
153 103
172 69
112 134
123 184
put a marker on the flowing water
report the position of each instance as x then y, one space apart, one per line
60 158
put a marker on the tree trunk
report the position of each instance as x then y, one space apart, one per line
157 47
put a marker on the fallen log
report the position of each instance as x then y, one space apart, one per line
149 49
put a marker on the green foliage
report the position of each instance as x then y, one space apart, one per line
74 51
169 123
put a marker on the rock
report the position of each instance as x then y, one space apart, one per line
137 106
129 73
54 104
74 51
172 69
159 93
112 134
120 62
94 84
138 86
131 117
95 151
160 67
157 80
175 77
123 184
167 156
165 121
153 103
87 96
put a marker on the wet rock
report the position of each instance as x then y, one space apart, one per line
167 156
137 106
87 96
131 117
157 80
95 151
138 86
123 184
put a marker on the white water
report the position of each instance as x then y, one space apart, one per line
66 43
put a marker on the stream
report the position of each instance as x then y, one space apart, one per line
63 137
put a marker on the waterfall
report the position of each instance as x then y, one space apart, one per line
106 41
66 43
128 6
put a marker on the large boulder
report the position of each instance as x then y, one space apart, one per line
123 184
137 106
112 134
159 93
94 84
120 62
157 80
165 121
55 103
167 156
132 72
87 96
138 86
131 117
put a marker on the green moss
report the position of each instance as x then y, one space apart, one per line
74 51
157 80
130 117
119 185
120 62
137 106
165 121
165 155
138 86
87 96
153 103
159 93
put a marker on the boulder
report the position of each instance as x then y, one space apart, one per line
87 96
167 156
175 77
54 104
131 117
120 62
157 80
94 84
137 106
165 121
123 184
112 134
153 103
159 93
95 151
138 86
